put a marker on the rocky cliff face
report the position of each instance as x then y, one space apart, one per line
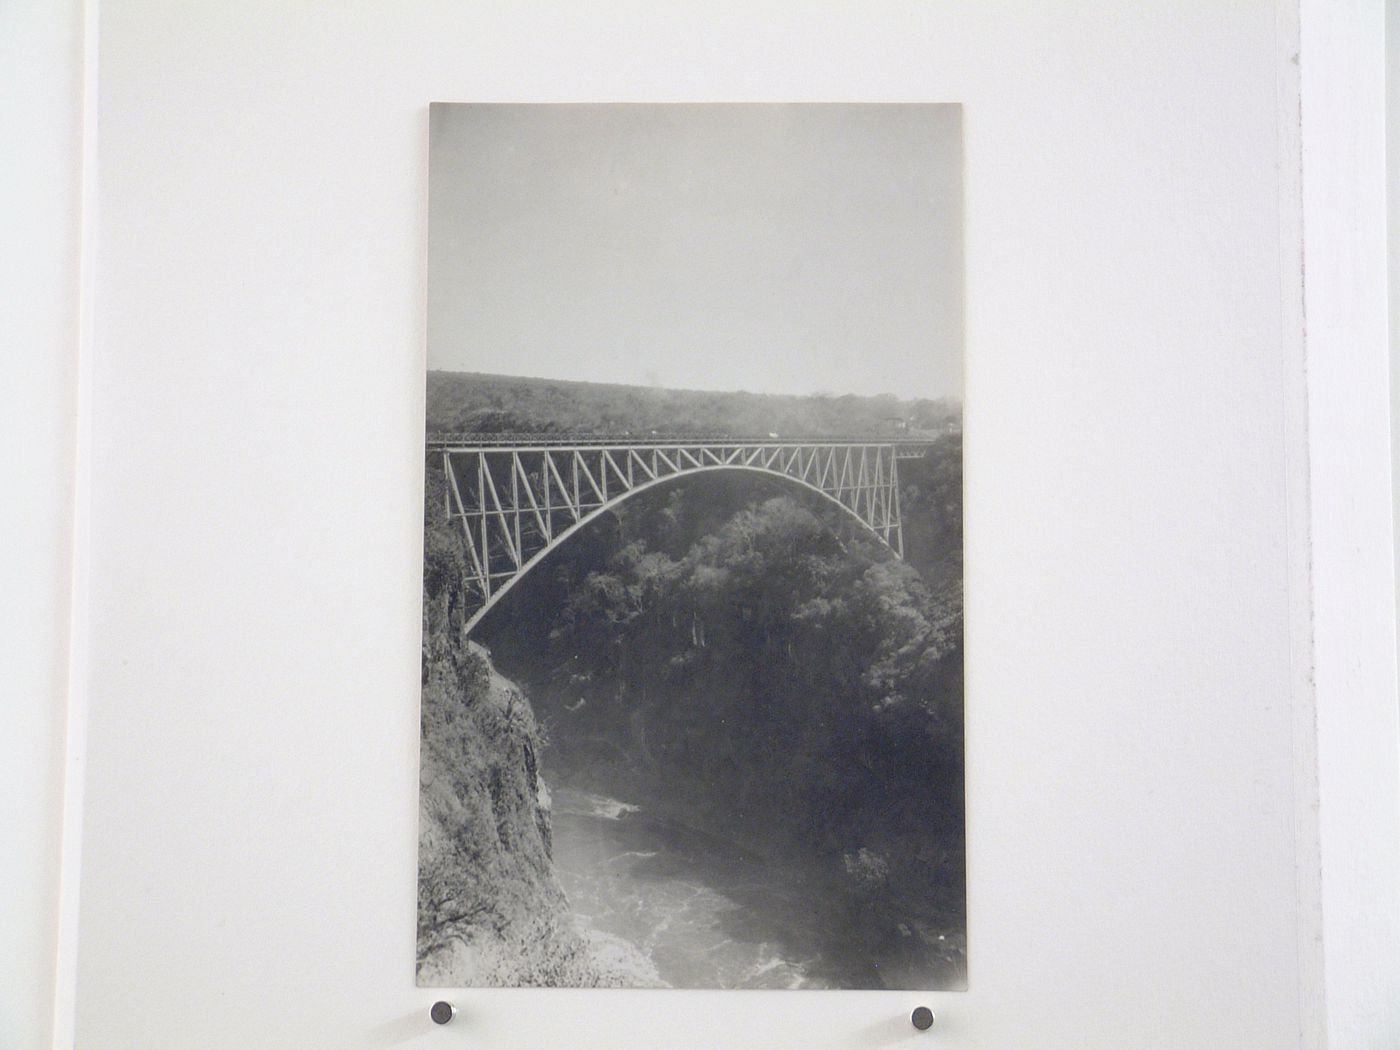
489 909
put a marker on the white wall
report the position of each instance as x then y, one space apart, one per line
40 125
1392 159
1138 699
1358 720
1392 164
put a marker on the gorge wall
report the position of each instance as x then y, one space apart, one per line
489 909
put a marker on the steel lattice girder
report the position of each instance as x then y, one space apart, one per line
517 503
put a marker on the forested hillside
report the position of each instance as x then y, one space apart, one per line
468 401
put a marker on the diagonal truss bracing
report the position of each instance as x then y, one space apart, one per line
514 504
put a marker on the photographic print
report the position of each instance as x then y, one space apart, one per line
692 657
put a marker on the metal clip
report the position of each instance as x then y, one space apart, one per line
442 1012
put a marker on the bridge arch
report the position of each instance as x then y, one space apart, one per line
516 503
597 512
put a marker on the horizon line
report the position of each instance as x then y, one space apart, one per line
959 398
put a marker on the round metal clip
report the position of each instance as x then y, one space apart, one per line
442 1012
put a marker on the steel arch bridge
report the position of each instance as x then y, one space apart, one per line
517 498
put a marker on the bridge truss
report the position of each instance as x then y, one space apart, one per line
517 501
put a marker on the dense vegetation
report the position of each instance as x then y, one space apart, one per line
466 401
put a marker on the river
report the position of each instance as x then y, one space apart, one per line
666 905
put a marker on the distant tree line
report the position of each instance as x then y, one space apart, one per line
472 402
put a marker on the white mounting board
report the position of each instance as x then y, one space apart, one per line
249 841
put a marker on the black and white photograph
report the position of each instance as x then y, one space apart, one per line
692 649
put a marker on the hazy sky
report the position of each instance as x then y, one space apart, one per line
777 249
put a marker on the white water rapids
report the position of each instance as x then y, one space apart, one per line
664 905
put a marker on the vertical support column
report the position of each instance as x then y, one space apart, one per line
485 529
882 506
548 502
454 491
898 543
446 489
515 504
864 506
886 499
